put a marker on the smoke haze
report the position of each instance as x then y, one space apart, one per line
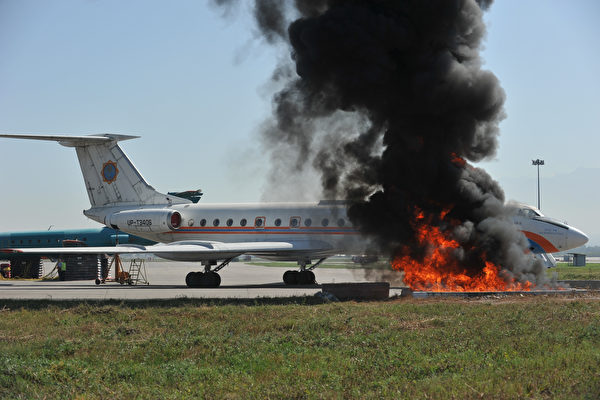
387 101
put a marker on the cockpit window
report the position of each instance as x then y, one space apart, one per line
528 213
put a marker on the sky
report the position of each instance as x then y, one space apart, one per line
195 85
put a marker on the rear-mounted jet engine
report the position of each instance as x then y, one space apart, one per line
146 220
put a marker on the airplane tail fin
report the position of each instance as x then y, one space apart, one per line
110 177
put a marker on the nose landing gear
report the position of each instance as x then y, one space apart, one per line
303 277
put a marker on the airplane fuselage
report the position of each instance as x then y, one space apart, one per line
547 235
322 229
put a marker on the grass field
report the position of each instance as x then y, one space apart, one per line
590 272
507 348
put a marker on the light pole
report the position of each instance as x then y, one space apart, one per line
538 162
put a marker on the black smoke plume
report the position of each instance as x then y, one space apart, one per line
387 102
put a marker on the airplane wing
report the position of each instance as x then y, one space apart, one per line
186 250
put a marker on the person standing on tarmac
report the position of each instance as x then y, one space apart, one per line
62 269
6 271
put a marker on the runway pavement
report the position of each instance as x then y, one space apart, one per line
167 281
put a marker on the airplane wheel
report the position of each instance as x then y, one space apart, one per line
194 279
199 279
211 279
189 279
306 277
301 280
286 277
217 280
205 280
291 277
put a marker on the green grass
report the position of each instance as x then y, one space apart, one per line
530 347
590 272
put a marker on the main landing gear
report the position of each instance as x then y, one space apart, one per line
207 279
303 277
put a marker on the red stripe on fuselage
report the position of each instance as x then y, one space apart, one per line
324 228
241 231
542 241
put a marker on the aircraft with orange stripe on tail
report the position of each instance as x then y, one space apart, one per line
307 233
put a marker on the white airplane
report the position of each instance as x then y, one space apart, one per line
303 232
122 199
546 235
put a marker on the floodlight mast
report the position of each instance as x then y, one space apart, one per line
538 162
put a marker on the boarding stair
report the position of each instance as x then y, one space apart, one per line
137 272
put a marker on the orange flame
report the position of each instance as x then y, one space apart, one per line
457 160
439 271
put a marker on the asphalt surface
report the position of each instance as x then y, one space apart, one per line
167 281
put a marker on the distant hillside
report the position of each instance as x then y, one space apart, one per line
590 251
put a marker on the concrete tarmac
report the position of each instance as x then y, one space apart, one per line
167 281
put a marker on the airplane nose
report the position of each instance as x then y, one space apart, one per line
576 238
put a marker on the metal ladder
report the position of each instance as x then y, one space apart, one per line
137 272
41 269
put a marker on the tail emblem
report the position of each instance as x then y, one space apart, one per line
109 172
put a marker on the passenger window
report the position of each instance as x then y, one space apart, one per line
229 222
308 222
259 222
294 222
325 222
341 222
243 222
278 222
202 222
216 222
